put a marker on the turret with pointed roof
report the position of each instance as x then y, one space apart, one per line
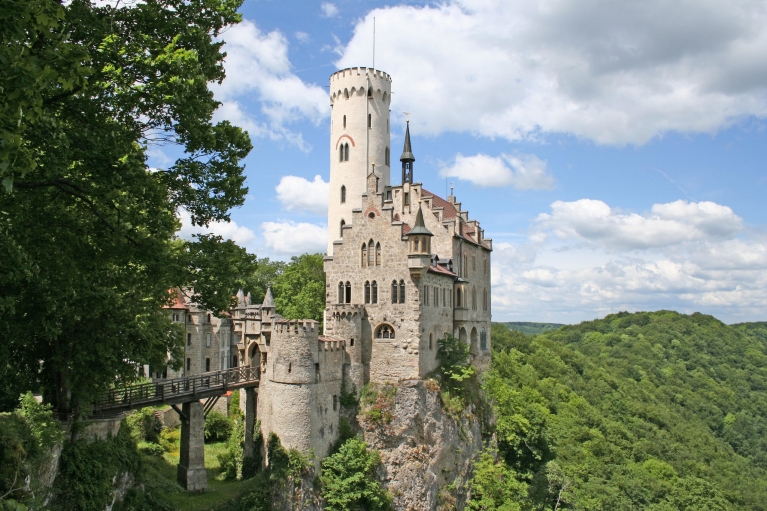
268 299
407 158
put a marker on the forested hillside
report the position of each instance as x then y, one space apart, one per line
657 411
532 328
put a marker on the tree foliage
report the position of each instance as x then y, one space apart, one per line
654 411
87 230
348 479
299 291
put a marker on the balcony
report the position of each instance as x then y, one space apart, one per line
460 314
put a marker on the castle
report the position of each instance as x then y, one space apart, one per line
404 268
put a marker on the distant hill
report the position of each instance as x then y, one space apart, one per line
531 328
653 410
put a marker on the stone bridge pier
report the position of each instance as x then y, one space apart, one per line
191 464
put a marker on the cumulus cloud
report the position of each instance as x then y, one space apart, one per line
297 193
329 10
593 260
292 238
665 225
228 230
523 172
258 67
611 72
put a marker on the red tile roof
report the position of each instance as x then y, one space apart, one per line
441 270
178 302
448 210
405 228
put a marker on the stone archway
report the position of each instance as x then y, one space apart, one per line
254 355
462 334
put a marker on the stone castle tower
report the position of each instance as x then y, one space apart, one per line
359 138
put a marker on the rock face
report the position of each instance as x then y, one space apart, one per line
423 449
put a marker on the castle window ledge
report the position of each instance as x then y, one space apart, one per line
357 210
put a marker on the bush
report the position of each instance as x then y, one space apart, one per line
170 439
151 448
144 425
231 459
378 403
348 479
234 404
218 427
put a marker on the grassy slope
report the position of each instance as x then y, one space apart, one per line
604 397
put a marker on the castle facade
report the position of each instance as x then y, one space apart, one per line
404 268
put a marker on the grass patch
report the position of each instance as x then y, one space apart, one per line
377 402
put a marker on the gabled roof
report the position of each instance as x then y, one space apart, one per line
178 302
448 210
441 270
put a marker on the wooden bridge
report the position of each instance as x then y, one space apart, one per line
188 391
175 391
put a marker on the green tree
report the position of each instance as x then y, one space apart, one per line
299 292
87 230
266 273
348 479
494 486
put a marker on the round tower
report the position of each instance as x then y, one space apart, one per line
359 136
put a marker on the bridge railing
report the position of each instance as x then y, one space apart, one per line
132 396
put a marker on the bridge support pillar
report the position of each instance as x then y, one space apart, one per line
250 421
191 464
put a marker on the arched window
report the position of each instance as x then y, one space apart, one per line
344 122
385 96
415 244
346 93
458 297
431 342
348 292
367 292
346 152
340 292
474 298
370 92
364 261
374 291
342 228
371 253
386 157
385 332
378 254
343 194
393 291
483 339
401 291
370 120
341 153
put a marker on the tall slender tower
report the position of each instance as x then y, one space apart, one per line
359 137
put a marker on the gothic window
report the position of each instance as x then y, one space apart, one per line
344 122
436 297
346 93
370 120
364 255
371 254
343 194
385 332
374 290
370 92
431 341
401 291
342 228
394 291
378 254
426 295
367 292
458 297
444 294
415 244
474 298
341 153
483 339
348 292
340 292
346 152
386 157
188 339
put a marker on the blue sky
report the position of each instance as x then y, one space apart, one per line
614 151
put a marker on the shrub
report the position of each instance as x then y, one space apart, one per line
170 439
234 404
378 403
151 448
144 425
218 427
348 479
231 459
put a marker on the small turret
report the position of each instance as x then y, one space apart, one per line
419 237
268 305
407 158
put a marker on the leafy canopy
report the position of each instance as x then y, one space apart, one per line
87 230
348 479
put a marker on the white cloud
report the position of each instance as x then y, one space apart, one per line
329 10
667 224
257 67
302 37
612 72
297 193
527 172
585 260
228 230
292 238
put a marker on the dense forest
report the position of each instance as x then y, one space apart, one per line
529 327
659 411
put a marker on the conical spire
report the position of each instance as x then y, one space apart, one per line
419 227
268 300
407 152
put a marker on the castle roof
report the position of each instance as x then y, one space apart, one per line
443 271
448 210
178 301
420 227
407 152
268 300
